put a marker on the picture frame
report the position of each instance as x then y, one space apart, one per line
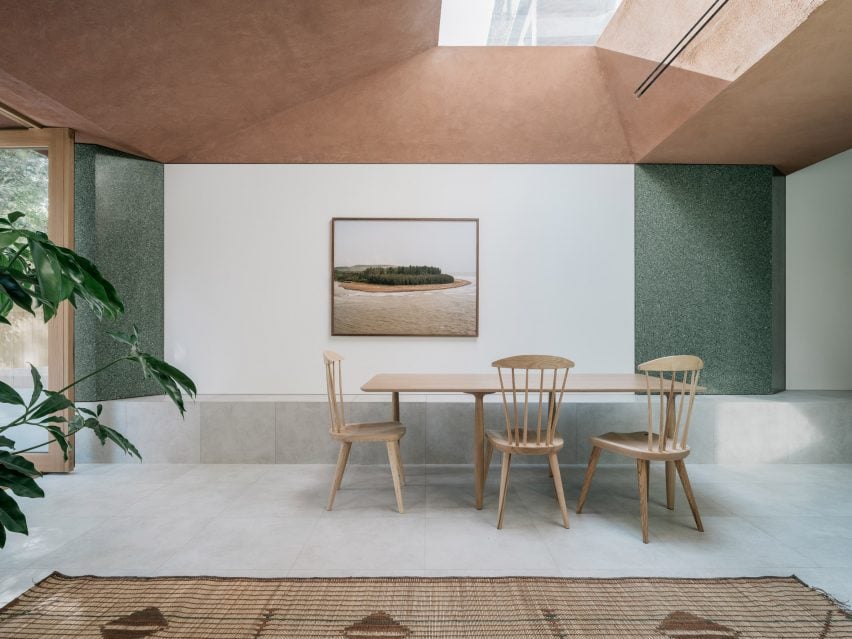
405 276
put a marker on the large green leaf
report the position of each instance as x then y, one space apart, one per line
7 238
170 379
9 395
37 385
130 339
6 306
54 402
18 464
11 516
20 484
122 442
49 310
14 216
91 286
60 438
104 433
6 442
17 294
55 284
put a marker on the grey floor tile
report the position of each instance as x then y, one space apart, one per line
270 520
261 543
359 544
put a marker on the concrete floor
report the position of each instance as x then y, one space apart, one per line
270 520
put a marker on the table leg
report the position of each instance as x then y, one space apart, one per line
395 406
479 449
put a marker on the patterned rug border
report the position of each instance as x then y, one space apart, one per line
508 607
843 607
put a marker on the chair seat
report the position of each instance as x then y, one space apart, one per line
370 432
635 445
502 443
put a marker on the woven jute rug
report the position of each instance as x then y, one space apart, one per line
385 608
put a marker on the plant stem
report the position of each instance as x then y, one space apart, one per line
26 450
100 370
16 256
20 421
49 442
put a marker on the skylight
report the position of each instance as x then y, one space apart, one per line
523 23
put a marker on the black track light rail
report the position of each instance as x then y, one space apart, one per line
672 55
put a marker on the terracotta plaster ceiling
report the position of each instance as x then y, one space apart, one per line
448 104
738 36
791 109
161 76
768 81
6 123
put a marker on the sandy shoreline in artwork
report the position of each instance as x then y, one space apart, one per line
440 311
383 288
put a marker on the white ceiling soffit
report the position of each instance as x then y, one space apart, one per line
523 23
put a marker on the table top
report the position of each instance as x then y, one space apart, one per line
489 383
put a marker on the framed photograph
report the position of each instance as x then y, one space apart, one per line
405 276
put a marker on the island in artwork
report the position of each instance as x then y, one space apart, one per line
395 279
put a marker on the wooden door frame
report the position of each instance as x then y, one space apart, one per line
60 228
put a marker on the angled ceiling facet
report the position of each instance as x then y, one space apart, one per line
737 36
160 75
447 105
791 109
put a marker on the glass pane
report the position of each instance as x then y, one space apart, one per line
23 187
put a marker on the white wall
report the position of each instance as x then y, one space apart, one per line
819 275
247 268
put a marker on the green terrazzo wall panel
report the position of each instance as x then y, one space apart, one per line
709 271
118 224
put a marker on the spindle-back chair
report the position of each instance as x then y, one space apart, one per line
665 438
524 382
346 433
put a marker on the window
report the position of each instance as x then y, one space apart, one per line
37 178
524 22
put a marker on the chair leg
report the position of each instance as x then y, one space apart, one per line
393 458
342 458
489 453
670 485
587 482
401 467
557 483
642 466
504 485
687 488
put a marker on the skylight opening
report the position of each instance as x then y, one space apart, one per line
523 23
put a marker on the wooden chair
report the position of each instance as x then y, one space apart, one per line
347 433
522 436
668 444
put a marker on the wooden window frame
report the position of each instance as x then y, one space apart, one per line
60 228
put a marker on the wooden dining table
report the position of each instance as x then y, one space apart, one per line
481 384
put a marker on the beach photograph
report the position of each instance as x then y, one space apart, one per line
401 276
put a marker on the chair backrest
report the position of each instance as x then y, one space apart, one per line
549 376
334 389
671 424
